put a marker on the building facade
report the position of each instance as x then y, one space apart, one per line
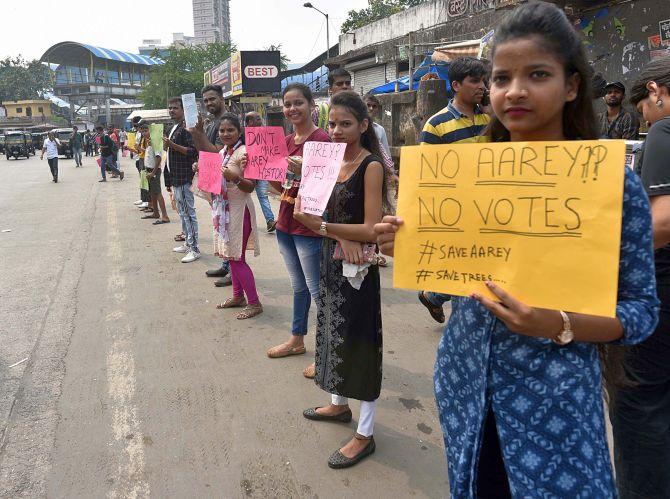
154 46
211 21
27 108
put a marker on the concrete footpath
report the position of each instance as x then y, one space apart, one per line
119 378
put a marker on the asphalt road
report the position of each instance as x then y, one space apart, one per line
119 378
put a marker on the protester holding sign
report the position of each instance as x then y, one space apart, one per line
640 411
519 388
253 119
299 246
234 218
349 348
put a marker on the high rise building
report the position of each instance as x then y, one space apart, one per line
211 21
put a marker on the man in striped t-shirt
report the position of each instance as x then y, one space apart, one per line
462 121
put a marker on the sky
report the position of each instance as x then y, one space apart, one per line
123 24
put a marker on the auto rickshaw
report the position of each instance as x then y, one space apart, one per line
63 135
37 141
29 141
16 145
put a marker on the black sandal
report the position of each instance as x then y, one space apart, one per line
338 461
436 312
180 237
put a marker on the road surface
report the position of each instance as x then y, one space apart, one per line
120 379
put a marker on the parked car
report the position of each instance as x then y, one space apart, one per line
2 144
63 135
16 145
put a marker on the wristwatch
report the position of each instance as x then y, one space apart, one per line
567 335
323 229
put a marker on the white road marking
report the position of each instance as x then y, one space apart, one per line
129 480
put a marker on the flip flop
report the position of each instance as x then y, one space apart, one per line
146 217
159 222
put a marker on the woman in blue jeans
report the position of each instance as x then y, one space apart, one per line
300 247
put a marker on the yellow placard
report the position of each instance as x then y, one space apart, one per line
131 140
541 219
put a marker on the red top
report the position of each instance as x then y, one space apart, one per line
285 221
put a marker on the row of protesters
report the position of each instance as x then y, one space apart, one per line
152 159
507 443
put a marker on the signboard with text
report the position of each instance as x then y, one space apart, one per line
664 32
248 72
541 219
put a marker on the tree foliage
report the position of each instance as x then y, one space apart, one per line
182 72
376 9
22 80
284 60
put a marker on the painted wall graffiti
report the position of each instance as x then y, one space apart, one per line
457 8
634 57
481 5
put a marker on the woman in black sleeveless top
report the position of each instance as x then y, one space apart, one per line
349 324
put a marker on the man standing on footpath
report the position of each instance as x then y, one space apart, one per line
616 122
253 119
75 143
461 122
50 147
212 98
339 79
181 154
107 155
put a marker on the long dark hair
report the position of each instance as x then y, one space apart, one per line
556 34
353 103
657 71
300 87
235 121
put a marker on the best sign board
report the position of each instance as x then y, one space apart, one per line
540 219
248 72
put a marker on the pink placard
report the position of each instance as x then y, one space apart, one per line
321 163
209 172
266 152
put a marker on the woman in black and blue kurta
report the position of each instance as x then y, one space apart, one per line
520 401
349 323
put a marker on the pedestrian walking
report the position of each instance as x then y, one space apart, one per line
640 408
253 119
75 143
50 147
299 246
107 150
88 143
519 389
349 321
178 176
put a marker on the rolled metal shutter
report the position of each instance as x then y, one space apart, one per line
366 79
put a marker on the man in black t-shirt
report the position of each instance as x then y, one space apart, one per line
107 155
640 413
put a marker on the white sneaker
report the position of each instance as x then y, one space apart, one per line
144 205
191 257
181 249
137 203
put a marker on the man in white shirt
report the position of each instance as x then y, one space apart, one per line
50 146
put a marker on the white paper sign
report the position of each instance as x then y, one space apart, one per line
190 110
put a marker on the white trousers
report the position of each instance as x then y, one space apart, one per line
366 421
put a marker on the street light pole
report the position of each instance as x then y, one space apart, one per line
310 6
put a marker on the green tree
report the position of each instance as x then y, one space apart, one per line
21 79
182 72
376 9
284 60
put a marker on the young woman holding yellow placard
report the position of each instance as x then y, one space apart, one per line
519 388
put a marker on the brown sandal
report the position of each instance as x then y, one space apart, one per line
250 311
310 371
284 351
233 302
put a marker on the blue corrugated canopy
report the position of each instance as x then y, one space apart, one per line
427 66
102 53
119 55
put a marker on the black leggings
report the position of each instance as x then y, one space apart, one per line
491 480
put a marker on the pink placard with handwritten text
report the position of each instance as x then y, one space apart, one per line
321 163
209 172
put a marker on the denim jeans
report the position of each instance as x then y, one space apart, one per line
640 414
302 256
437 299
108 160
186 208
76 153
262 193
